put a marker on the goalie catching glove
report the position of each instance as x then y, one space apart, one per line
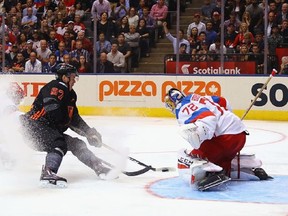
94 137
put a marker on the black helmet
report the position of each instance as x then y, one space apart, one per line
65 69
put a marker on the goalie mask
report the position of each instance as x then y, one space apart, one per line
173 98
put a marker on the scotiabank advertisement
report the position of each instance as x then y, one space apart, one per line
214 68
146 92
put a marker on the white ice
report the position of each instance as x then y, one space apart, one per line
154 141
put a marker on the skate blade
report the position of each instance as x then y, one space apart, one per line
47 184
214 184
111 175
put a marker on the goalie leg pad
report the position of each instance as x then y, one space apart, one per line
193 169
246 161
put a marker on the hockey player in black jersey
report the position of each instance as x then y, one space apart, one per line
53 112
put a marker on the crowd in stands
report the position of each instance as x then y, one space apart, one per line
244 32
39 34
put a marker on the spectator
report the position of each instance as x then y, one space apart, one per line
274 40
18 65
271 22
103 65
206 10
229 37
196 23
43 52
33 65
232 20
67 59
256 14
60 52
216 22
174 39
150 24
75 54
71 15
259 41
22 41
117 58
87 44
84 66
50 17
42 11
102 45
133 38
144 38
29 4
78 24
246 18
284 31
36 39
132 16
61 12
122 27
159 13
13 21
52 41
70 28
79 10
183 55
28 49
199 43
50 66
202 53
68 41
142 4
10 55
272 7
239 7
211 35
30 19
99 7
193 38
258 57
106 26
125 49
215 50
45 29
284 65
239 40
283 14
244 53
121 10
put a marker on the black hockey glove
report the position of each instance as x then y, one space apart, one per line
94 137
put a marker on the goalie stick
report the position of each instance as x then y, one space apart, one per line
274 72
141 171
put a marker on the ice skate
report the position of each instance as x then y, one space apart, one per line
211 180
50 179
261 174
105 173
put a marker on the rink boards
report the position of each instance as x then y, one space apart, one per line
142 95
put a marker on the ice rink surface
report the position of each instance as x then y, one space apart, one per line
154 141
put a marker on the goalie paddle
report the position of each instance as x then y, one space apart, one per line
141 171
274 72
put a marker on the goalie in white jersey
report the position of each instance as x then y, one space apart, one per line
217 137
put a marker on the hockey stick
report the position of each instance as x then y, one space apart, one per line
274 71
146 167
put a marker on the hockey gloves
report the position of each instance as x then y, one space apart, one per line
94 137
